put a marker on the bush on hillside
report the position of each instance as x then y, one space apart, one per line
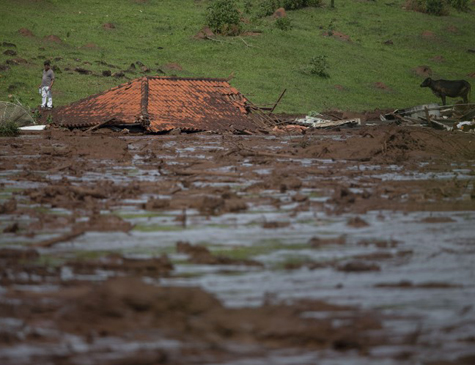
437 7
318 65
432 7
223 17
283 23
267 7
460 5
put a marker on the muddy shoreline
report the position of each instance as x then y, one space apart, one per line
348 246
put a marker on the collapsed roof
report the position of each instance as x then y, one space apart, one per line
161 104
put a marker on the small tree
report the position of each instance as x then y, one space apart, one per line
223 17
460 5
432 7
318 66
437 7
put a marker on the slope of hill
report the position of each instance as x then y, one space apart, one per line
377 52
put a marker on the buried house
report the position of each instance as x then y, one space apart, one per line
161 104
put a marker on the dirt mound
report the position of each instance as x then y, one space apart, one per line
427 34
53 38
173 67
338 35
382 86
90 46
424 71
10 52
204 33
104 223
280 13
452 29
108 26
26 32
396 144
438 58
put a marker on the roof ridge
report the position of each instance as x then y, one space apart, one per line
152 77
188 78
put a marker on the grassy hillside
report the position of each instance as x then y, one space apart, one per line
160 33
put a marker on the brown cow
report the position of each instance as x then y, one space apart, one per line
444 88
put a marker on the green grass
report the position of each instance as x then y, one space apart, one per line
263 247
158 228
9 129
141 215
159 32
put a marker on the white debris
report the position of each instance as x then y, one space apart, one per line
324 123
33 128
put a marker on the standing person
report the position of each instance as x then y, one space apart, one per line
45 88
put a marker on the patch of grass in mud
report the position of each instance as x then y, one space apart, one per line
145 251
263 247
187 275
314 194
91 255
156 228
142 215
49 261
292 261
51 211
43 210
4 197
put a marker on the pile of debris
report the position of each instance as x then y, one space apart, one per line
317 121
447 117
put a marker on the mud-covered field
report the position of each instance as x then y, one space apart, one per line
337 247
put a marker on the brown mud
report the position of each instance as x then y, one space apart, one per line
204 249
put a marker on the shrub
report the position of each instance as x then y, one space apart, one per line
283 23
437 7
267 7
432 7
460 5
248 5
9 129
318 65
223 17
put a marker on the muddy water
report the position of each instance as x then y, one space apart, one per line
348 247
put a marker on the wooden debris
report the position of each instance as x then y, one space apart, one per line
336 123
